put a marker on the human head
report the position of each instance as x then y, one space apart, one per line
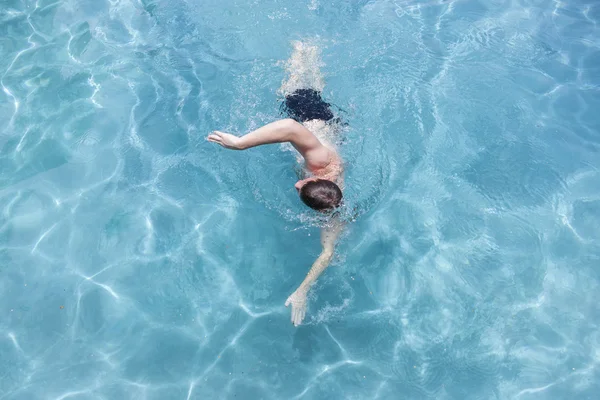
319 194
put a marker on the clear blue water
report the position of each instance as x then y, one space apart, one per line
137 261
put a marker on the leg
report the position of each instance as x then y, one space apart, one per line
303 69
302 90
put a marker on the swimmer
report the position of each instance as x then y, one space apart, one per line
311 130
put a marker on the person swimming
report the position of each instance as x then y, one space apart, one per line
311 129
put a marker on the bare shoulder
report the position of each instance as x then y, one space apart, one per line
327 165
303 139
301 133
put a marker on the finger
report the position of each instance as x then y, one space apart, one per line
296 316
287 302
214 138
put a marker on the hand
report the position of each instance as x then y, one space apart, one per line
226 140
298 302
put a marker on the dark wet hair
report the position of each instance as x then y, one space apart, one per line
321 195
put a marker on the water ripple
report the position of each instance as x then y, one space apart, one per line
138 261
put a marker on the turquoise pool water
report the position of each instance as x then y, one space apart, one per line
138 261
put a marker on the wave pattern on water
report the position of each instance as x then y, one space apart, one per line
139 261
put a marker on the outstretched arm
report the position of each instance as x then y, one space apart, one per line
285 130
298 299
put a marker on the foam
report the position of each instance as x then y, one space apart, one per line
304 69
